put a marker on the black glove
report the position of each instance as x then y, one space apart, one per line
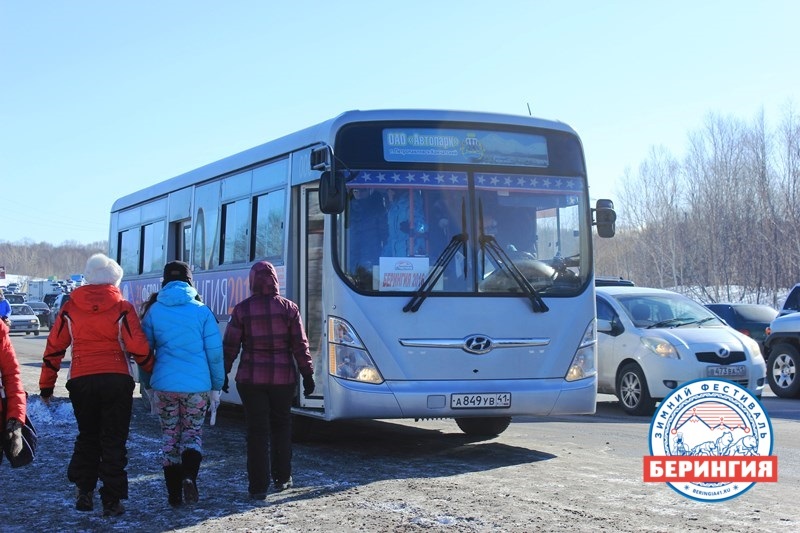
225 385
308 385
46 393
13 436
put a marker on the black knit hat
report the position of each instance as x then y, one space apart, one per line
177 271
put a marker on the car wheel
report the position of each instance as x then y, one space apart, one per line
632 391
782 371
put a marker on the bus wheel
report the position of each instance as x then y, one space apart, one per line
484 426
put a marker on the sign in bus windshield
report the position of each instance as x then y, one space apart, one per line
421 145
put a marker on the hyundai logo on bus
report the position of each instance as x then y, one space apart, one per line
478 344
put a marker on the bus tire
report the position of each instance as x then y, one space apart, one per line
485 426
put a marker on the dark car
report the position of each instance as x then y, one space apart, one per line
612 281
750 319
42 311
50 298
61 299
792 302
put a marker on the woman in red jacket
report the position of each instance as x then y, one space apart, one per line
104 332
13 392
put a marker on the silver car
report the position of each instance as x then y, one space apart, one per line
23 319
650 341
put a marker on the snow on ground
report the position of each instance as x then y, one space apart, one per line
39 497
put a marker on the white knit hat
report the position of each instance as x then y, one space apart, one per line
102 270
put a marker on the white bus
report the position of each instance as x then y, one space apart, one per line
442 260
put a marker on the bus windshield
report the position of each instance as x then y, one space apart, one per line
398 223
511 205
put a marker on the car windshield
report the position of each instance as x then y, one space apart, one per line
665 311
21 309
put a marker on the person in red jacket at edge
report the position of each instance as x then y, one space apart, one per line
14 393
105 333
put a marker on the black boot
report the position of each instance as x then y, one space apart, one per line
84 502
191 465
173 477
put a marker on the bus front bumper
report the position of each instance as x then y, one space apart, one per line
446 399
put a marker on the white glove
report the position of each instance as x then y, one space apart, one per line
214 400
153 395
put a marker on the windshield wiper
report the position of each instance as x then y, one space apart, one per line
669 322
699 322
489 244
458 241
680 321
441 263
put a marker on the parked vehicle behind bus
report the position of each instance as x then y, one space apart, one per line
442 260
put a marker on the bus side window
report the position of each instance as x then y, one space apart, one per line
268 228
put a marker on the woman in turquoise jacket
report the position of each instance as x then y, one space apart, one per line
187 376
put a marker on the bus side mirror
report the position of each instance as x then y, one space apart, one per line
332 193
332 190
605 218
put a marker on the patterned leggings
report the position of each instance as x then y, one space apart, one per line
182 415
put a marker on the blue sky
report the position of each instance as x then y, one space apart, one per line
101 98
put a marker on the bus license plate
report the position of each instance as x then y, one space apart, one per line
737 371
480 401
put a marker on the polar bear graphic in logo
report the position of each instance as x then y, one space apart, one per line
710 440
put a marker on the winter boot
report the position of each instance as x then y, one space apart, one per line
84 501
191 465
113 508
173 477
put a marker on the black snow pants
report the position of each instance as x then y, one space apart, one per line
102 404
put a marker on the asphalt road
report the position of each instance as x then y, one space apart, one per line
572 473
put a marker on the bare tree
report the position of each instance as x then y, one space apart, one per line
722 224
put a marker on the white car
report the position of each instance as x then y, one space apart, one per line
23 319
650 341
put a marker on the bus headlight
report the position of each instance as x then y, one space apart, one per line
347 356
584 362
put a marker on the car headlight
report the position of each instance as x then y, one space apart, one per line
753 347
347 356
660 347
584 362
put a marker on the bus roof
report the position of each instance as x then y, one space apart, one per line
323 132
